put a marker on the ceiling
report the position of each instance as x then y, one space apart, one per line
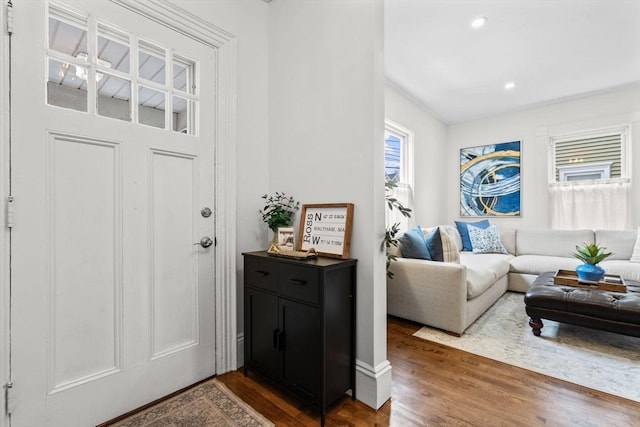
551 49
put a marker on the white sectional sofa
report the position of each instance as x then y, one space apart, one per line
451 296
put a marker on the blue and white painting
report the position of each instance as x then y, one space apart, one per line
490 180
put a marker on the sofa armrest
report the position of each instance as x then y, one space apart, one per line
429 292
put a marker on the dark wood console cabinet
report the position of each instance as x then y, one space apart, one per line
299 325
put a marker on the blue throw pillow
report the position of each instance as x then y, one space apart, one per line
413 245
434 244
464 232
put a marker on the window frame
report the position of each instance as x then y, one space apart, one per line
406 137
625 158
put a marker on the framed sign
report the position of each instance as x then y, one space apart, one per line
326 228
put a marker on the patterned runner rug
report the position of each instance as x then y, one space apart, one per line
596 359
210 404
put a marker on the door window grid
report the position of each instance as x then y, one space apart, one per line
121 70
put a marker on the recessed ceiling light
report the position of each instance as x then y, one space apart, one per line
509 85
479 22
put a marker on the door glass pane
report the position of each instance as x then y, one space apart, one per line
151 63
113 49
183 75
181 115
64 87
66 38
114 98
151 107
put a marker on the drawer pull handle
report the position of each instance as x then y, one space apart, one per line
264 273
297 282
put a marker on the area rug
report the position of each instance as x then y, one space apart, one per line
210 404
596 359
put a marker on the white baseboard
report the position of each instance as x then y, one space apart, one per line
240 349
373 385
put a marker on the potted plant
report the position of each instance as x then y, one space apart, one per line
590 254
279 210
391 232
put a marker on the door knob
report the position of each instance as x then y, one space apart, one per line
205 242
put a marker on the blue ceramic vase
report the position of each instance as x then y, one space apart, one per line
589 272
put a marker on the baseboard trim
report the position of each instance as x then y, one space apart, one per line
240 349
373 384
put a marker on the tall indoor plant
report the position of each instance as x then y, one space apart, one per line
392 230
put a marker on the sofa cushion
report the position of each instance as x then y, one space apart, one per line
508 239
626 269
441 246
483 271
536 264
635 256
413 245
486 240
556 243
464 232
619 242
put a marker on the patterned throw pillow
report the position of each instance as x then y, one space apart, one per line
486 241
463 229
635 256
413 245
442 247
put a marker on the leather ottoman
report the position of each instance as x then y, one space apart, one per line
593 308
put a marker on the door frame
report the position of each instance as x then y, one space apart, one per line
4 193
225 44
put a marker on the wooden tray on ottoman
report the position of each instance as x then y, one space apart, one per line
609 282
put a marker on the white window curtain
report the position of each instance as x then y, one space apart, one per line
404 194
596 205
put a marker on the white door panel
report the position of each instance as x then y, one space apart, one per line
112 303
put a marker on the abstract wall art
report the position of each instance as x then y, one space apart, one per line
490 180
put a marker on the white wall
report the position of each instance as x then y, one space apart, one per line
326 124
429 150
248 20
533 127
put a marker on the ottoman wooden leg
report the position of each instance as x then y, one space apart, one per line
536 325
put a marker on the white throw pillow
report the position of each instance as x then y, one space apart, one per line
486 240
635 256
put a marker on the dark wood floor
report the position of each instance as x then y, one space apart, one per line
438 385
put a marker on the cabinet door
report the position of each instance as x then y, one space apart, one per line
261 329
300 348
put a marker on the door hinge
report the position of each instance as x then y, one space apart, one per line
10 212
9 17
8 397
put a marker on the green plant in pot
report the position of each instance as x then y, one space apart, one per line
590 254
279 211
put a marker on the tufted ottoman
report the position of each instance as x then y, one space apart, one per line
609 311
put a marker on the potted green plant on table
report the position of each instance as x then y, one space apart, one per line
590 254
279 211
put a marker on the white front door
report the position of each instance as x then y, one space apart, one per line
112 295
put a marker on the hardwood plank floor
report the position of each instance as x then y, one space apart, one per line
438 385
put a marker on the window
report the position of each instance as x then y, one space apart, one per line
398 145
590 155
398 168
589 182
90 69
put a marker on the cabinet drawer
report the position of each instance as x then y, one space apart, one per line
261 273
298 282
